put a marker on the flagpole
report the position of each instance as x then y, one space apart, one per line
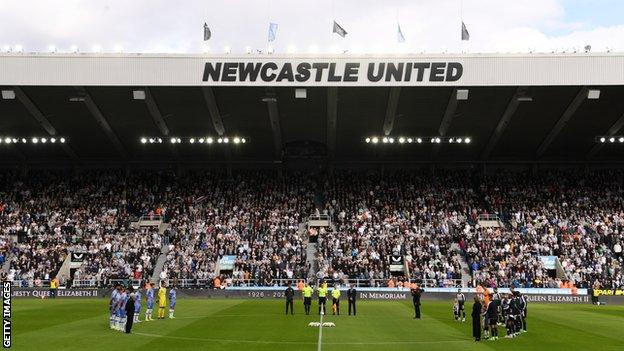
461 19
269 22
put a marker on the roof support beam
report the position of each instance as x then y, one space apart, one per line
615 129
152 107
512 106
101 120
563 120
445 124
271 100
332 117
451 107
43 121
158 119
391 108
216 120
213 109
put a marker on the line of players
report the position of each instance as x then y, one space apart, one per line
322 291
509 310
123 314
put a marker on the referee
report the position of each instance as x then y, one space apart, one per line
336 300
322 297
307 298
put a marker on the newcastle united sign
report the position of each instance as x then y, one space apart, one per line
332 72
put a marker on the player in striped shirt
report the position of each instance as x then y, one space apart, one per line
461 299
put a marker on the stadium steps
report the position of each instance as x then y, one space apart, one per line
312 259
7 262
160 263
65 269
466 278
162 227
311 249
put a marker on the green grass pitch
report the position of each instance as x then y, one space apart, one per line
205 324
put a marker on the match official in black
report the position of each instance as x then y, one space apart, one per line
476 318
351 296
416 292
290 296
130 310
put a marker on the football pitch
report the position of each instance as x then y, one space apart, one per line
206 324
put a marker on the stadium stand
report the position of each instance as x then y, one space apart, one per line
256 215
576 217
405 214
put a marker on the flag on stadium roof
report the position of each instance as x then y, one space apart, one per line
339 30
465 34
207 33
400 37
272 31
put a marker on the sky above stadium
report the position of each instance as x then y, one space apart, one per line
432 26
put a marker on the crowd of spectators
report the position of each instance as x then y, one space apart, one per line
46 215
255 217
577 217
407 214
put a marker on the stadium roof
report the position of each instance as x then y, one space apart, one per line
519 108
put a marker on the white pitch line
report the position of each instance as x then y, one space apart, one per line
318 348
406 342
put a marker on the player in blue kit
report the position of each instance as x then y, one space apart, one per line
122 309
137 305
172 300
117 307
149 297
113 305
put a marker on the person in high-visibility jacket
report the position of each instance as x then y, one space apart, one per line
307 298
336 300
322 297
162 300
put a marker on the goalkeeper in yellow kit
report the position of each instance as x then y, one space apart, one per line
162 300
